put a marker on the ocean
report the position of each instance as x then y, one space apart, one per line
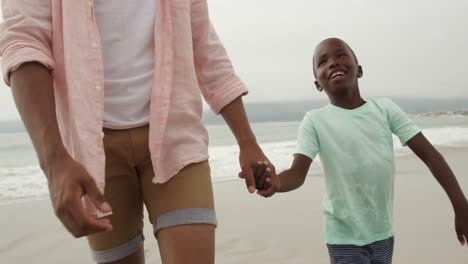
22 180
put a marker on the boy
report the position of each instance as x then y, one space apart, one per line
353 137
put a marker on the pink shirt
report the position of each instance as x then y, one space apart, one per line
189 58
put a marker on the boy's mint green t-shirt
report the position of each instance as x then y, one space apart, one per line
356 152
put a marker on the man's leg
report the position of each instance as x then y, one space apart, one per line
127 253
187 244
182 212
124 244
137 257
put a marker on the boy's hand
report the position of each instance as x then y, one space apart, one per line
262 173
461 224
272 182
259 175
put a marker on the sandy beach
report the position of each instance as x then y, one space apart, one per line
286 228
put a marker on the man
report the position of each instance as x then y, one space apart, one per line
109 92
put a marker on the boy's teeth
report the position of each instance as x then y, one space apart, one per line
337 74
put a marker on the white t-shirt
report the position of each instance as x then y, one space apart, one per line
126 29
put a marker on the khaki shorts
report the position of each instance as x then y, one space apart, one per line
185 199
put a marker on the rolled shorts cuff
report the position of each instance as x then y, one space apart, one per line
187 216
119 252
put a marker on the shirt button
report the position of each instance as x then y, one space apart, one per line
90 3
94 45
102 134
98 88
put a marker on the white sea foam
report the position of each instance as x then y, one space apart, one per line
460 113
18 183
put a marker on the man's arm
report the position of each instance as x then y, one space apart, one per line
27 62
216 77
222 88
32 89
250 152
25 34
444 175
68 181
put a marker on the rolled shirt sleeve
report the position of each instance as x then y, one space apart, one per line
25 35
216 77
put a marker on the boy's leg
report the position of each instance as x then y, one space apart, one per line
124 244
382 251
349 254
182 212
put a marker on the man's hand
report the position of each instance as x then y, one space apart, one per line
266 180
461 224
250 152
68 183
249 157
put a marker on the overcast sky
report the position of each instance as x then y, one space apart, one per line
408 48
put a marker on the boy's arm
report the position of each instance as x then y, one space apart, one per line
444 175
289 179
307 148
294 177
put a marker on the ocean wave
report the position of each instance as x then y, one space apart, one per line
15 147
22 183
447 136
460 113
29 183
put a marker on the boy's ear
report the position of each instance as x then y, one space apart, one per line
360 72
317 85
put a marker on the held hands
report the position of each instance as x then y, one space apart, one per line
266 181
269 182
68 183
249 154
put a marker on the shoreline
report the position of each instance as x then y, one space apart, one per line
286 228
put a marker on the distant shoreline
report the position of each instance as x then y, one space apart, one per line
294 111
286 228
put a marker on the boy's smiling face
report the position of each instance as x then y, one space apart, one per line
335 67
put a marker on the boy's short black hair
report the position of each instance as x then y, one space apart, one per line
352 53
350 49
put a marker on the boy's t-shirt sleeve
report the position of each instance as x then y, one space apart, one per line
400 123
307 140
